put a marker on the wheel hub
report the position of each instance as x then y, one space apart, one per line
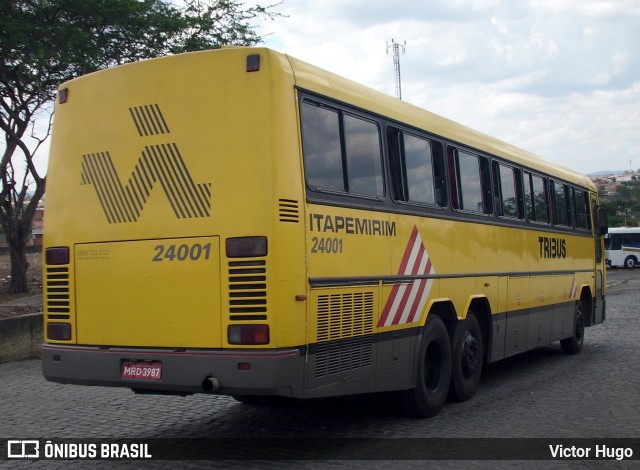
471 357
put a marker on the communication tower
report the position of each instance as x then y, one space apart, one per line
396 46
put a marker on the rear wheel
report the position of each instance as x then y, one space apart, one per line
467 351
573 344
433 373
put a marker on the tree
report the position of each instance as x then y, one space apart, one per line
46 42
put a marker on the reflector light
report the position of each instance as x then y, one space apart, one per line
59 331
253 63
245 247
57 255
248 334
63 95
244 366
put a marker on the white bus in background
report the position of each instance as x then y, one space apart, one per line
622 245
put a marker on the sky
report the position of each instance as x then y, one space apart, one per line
560 78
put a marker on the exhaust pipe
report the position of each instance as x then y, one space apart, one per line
211 384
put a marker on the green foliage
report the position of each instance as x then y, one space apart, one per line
46 42
623 208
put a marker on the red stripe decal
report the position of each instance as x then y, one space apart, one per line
406 300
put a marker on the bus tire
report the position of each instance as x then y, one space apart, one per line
630 262
467 353
433 372
573 344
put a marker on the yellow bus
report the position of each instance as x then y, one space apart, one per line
240 222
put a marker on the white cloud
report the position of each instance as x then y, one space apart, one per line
561 79
557 78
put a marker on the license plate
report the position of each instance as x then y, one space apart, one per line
142 370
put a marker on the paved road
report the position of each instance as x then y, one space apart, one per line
543 393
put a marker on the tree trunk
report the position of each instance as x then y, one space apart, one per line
16 218
19 266
17 237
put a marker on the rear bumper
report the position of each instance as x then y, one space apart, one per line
274 372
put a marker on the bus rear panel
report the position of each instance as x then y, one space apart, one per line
161 243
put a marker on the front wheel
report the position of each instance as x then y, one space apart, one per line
630 262
433 373
573 344
467 358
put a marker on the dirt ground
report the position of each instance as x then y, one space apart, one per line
34 277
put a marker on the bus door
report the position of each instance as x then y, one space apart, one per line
600 229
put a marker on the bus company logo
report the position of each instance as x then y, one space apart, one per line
406 301
161 164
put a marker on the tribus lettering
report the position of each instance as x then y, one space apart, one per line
552 247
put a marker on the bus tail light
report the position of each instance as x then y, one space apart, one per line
59 331
57 255
248 334
246 247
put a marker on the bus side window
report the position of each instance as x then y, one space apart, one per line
363 156
582 210
469 182
394 151
573 208
520 196
321 147
487 190
341 152
439 174
570 209
505 191
497 191
537 202
528 198
559 203
473 182
453 178
416 170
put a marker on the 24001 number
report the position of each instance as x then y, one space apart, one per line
182 252
326 245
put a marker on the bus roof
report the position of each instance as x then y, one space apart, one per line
313 78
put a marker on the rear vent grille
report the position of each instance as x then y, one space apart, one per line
345 327
289 210
57 293
248 290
